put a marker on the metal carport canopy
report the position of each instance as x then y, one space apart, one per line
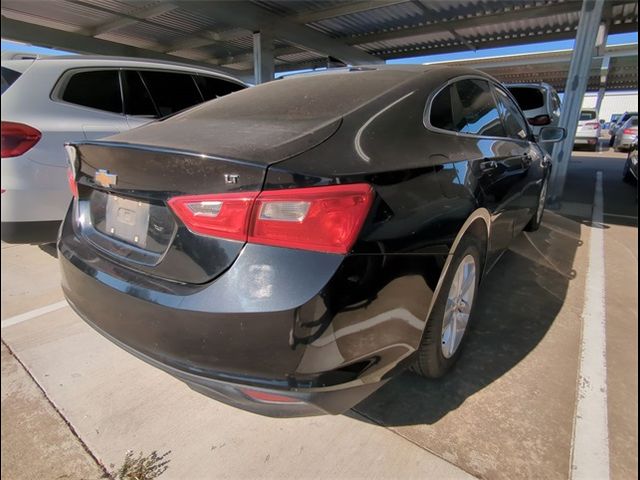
301 34
553 68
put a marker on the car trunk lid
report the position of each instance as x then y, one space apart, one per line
122 207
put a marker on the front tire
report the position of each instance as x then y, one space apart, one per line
448 323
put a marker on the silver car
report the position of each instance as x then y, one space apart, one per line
49 101
613 129
626 134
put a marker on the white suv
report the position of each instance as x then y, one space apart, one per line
540 104
49 101
589 129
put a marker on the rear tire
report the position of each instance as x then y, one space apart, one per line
536 220
448 323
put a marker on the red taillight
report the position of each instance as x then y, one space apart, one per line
73 186
223 215
17 138
325 219
593 125
630 131
267 397
540 120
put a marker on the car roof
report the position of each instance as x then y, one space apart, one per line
114 61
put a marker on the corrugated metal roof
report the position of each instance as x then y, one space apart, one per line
384 29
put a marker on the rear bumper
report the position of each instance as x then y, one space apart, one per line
296 341
265 401
586 138
33 192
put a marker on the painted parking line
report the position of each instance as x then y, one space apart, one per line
23 317
590 442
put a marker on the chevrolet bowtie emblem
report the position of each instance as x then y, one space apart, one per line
105 179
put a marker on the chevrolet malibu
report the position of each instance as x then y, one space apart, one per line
289 248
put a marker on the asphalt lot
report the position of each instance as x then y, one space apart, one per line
507 410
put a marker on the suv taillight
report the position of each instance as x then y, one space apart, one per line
540 120
324 219
17 138
630 131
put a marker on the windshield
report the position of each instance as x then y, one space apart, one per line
8 78
587 115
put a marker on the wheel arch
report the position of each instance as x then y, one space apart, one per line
478 225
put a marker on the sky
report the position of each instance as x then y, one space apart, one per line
490 52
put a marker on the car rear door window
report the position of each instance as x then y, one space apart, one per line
514 123
99 89
475 110
171 92
137 100
441 113
212 87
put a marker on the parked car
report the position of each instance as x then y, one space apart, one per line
51 100
539 102
626 134
612 121
613 130
630 172
289 248
589 129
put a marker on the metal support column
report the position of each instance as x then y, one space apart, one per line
601 48
263 66
584 49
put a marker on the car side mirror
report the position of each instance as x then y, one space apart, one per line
552 134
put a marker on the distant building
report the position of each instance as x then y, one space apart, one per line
614 102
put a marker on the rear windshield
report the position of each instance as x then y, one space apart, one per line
528 98
8 78
313 97
587 115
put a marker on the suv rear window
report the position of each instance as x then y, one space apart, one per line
8 78
528 98
98 89
587 115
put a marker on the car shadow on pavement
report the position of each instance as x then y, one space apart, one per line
519 300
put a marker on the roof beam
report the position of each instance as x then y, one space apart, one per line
130 19
207 37
348 8
501 17
75 42
255 18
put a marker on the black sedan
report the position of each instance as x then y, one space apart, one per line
291 247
